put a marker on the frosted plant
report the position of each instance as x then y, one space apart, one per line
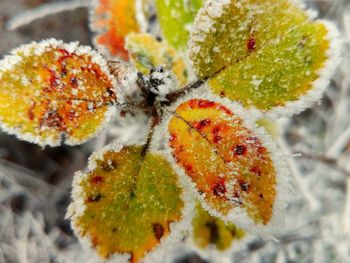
210 97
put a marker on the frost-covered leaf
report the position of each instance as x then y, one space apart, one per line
53 92
264 54
113 20
147 53
210 232
129 204
175 18
232 164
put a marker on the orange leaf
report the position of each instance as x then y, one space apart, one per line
113 20
228 160
53 92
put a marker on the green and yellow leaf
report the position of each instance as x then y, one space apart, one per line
210 232
264 54
175 18
53 92
231 165
131 203
147 53
113 20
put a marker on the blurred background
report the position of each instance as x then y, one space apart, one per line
35 183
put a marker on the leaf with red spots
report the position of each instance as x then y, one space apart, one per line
232 164
129 203
113 20
268 55
53 92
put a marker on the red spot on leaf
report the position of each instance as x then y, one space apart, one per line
158 230
251 44
219 189
244 185
53 119
94 198
240 149
202 124
188 168
74 82
64 55
31 114
226 110
256 170
53 80
97 179
216 134
204 104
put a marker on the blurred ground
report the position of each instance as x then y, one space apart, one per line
35 182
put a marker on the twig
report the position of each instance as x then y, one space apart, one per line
44 11
339 145
325 160
312 201
171 97
346 214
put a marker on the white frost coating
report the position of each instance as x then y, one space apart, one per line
167 80
43 11
320 84
77 208
37 49
140 16
238 215
203 23
128 86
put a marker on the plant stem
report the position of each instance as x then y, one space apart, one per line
43 11
172 97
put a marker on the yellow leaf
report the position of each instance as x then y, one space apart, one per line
147 53
211 232
53 92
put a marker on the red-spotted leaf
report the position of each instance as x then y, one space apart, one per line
113 20
129 204
270 55
232 164
52 92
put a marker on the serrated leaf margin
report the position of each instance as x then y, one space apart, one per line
177 230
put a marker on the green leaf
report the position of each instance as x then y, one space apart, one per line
175 18
131 201
264 54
